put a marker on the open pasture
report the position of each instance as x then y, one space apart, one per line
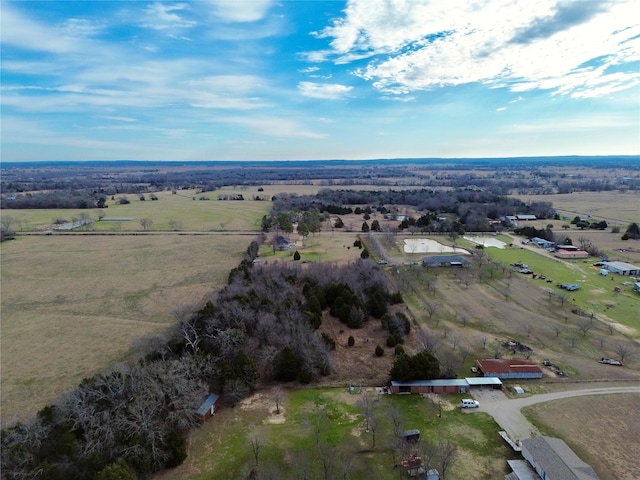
180 211
601 429
596 294
73 305
616 207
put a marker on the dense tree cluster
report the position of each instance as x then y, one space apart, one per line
260 327
421 366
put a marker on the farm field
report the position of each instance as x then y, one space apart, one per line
180 211
615 207
222 447
602 430
74 305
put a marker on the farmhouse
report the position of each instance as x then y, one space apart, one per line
571 254
509 368
207 408
621 268
552 459
445 261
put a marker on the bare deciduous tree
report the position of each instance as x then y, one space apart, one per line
256 446
431 308
623 351
447 453
175 224
146 223
277 398
585 326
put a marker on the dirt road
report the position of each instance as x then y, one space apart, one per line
506 412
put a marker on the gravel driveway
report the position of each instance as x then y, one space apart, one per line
506 412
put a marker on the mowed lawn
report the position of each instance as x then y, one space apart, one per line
74 305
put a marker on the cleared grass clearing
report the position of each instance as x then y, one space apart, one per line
221 448
74 305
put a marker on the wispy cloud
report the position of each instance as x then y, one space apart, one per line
242 12
324 91
162 16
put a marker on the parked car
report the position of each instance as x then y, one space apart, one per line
611 361
469 403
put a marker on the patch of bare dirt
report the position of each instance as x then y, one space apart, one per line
358 364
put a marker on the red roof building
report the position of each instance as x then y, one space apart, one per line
508 368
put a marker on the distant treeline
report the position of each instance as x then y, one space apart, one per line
113 178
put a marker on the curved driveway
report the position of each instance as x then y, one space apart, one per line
506 412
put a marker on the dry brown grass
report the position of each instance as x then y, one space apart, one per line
613 206
74 305
602 430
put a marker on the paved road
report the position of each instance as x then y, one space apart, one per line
506 412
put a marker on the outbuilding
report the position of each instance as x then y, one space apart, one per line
621 268
207 408
452 385
445 261
509 368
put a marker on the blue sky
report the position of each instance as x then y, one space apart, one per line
277 80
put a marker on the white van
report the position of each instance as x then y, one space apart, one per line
469 403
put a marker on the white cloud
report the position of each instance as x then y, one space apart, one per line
22 32
161 16
273 127
241 12
324 91
566 47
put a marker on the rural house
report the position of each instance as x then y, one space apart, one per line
445 261
508 368
549 459
207 408
571 254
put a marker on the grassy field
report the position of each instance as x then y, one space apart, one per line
73 305
317 424
596 294
601 429
180 211
614 207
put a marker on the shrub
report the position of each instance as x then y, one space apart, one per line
351 342
399 350
391 341
331 343
379 351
